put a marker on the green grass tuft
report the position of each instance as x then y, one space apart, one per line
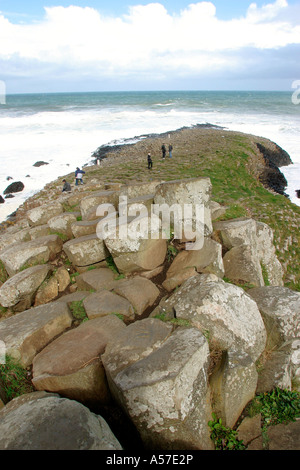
15 379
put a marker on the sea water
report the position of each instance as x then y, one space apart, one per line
64 129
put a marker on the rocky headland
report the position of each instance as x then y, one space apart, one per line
138 343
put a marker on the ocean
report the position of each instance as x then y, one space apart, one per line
64 129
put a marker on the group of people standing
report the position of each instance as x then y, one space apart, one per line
164 151
79 173
78 180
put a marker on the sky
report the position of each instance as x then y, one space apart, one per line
113 45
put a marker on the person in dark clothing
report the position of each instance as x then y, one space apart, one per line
298 193
66 187
170 150
150 163
78 175
163 149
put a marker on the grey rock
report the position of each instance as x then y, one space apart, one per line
40 215
26 333
34 252
160 379
53 423
22 284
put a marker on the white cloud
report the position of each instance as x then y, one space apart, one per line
146 40
266 12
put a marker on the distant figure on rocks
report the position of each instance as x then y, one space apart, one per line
66 186
170 150
298 193
78 176
150 163
163 149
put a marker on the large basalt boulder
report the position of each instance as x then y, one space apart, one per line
26 333
135 245
40 163
15 187
280 310
232 322
47 292
284 437
77 296
195 192
136 204
250 253
275 370
233 384
71 365
96 199
100 304
241 265
97 279
40 215
8 238
267 254
74 198
187 263
216 210
39 231
34 252
86 251
22 285
224 311
159 377
62 223
92 214
250 432
83 228
236 232
63 279
140 292
139 189
52 287
40 421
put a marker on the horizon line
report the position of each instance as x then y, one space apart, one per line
147 91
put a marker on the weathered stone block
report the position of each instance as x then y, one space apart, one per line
140 292
39 421
104 303
26 333
40 215
62 223
86 251
34 252
71 365
160 379
22 285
